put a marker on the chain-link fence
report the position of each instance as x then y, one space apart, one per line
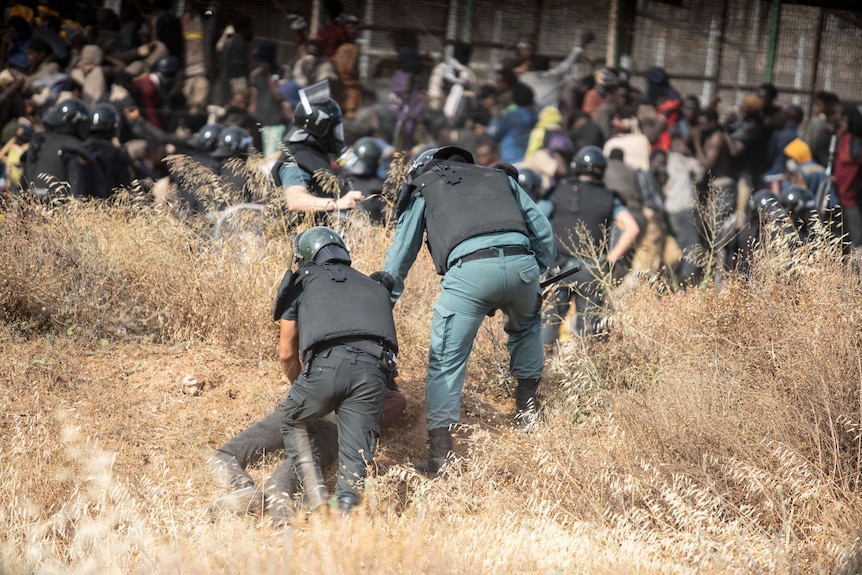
708 47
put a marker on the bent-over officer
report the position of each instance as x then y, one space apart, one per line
490 244
337 345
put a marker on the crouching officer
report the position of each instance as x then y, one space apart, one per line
337 346
490 243
304 171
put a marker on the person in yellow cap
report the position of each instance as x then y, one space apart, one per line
804 171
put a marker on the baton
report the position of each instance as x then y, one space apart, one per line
560 276
550 281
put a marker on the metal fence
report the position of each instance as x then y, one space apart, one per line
708 47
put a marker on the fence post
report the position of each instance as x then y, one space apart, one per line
774 24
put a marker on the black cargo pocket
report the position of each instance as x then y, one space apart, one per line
294 403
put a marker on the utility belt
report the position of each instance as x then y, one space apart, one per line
385 356
486 253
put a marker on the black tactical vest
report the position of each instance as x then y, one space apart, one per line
46 157
464 201
309 158
580 202
234 173
340 302
109 162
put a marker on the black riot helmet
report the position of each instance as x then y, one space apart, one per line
590 161
71 112
417 168
451 153
368 150
320 245
207 137
362 158
794 199
233 141
530 180
766 204
323 121
168 66
104 119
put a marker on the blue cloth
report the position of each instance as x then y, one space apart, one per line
470 291
512 130
777 142
290 92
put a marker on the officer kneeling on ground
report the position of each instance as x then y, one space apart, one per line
337 346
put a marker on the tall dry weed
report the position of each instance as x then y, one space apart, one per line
713 431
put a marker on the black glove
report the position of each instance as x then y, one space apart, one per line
384 279
510 170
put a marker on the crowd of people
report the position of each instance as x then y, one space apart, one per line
543 171
117 92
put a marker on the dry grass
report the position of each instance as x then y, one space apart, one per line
713 432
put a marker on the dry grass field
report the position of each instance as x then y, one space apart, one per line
713 432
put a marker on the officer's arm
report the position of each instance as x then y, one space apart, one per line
288 349
298 198
405 247
540 231
629 228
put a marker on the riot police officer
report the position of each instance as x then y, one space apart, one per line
235 144
359 168
531 182
584 202
60 153
113 164
490 243
316 133
337 354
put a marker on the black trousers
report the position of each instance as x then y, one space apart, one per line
353 384
264 436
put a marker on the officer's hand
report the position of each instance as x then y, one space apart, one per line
137 149
349 200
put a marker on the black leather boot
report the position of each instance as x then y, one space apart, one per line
440 446
345 504
527 408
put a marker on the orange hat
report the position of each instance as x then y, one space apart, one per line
22 11
752 103
798 151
